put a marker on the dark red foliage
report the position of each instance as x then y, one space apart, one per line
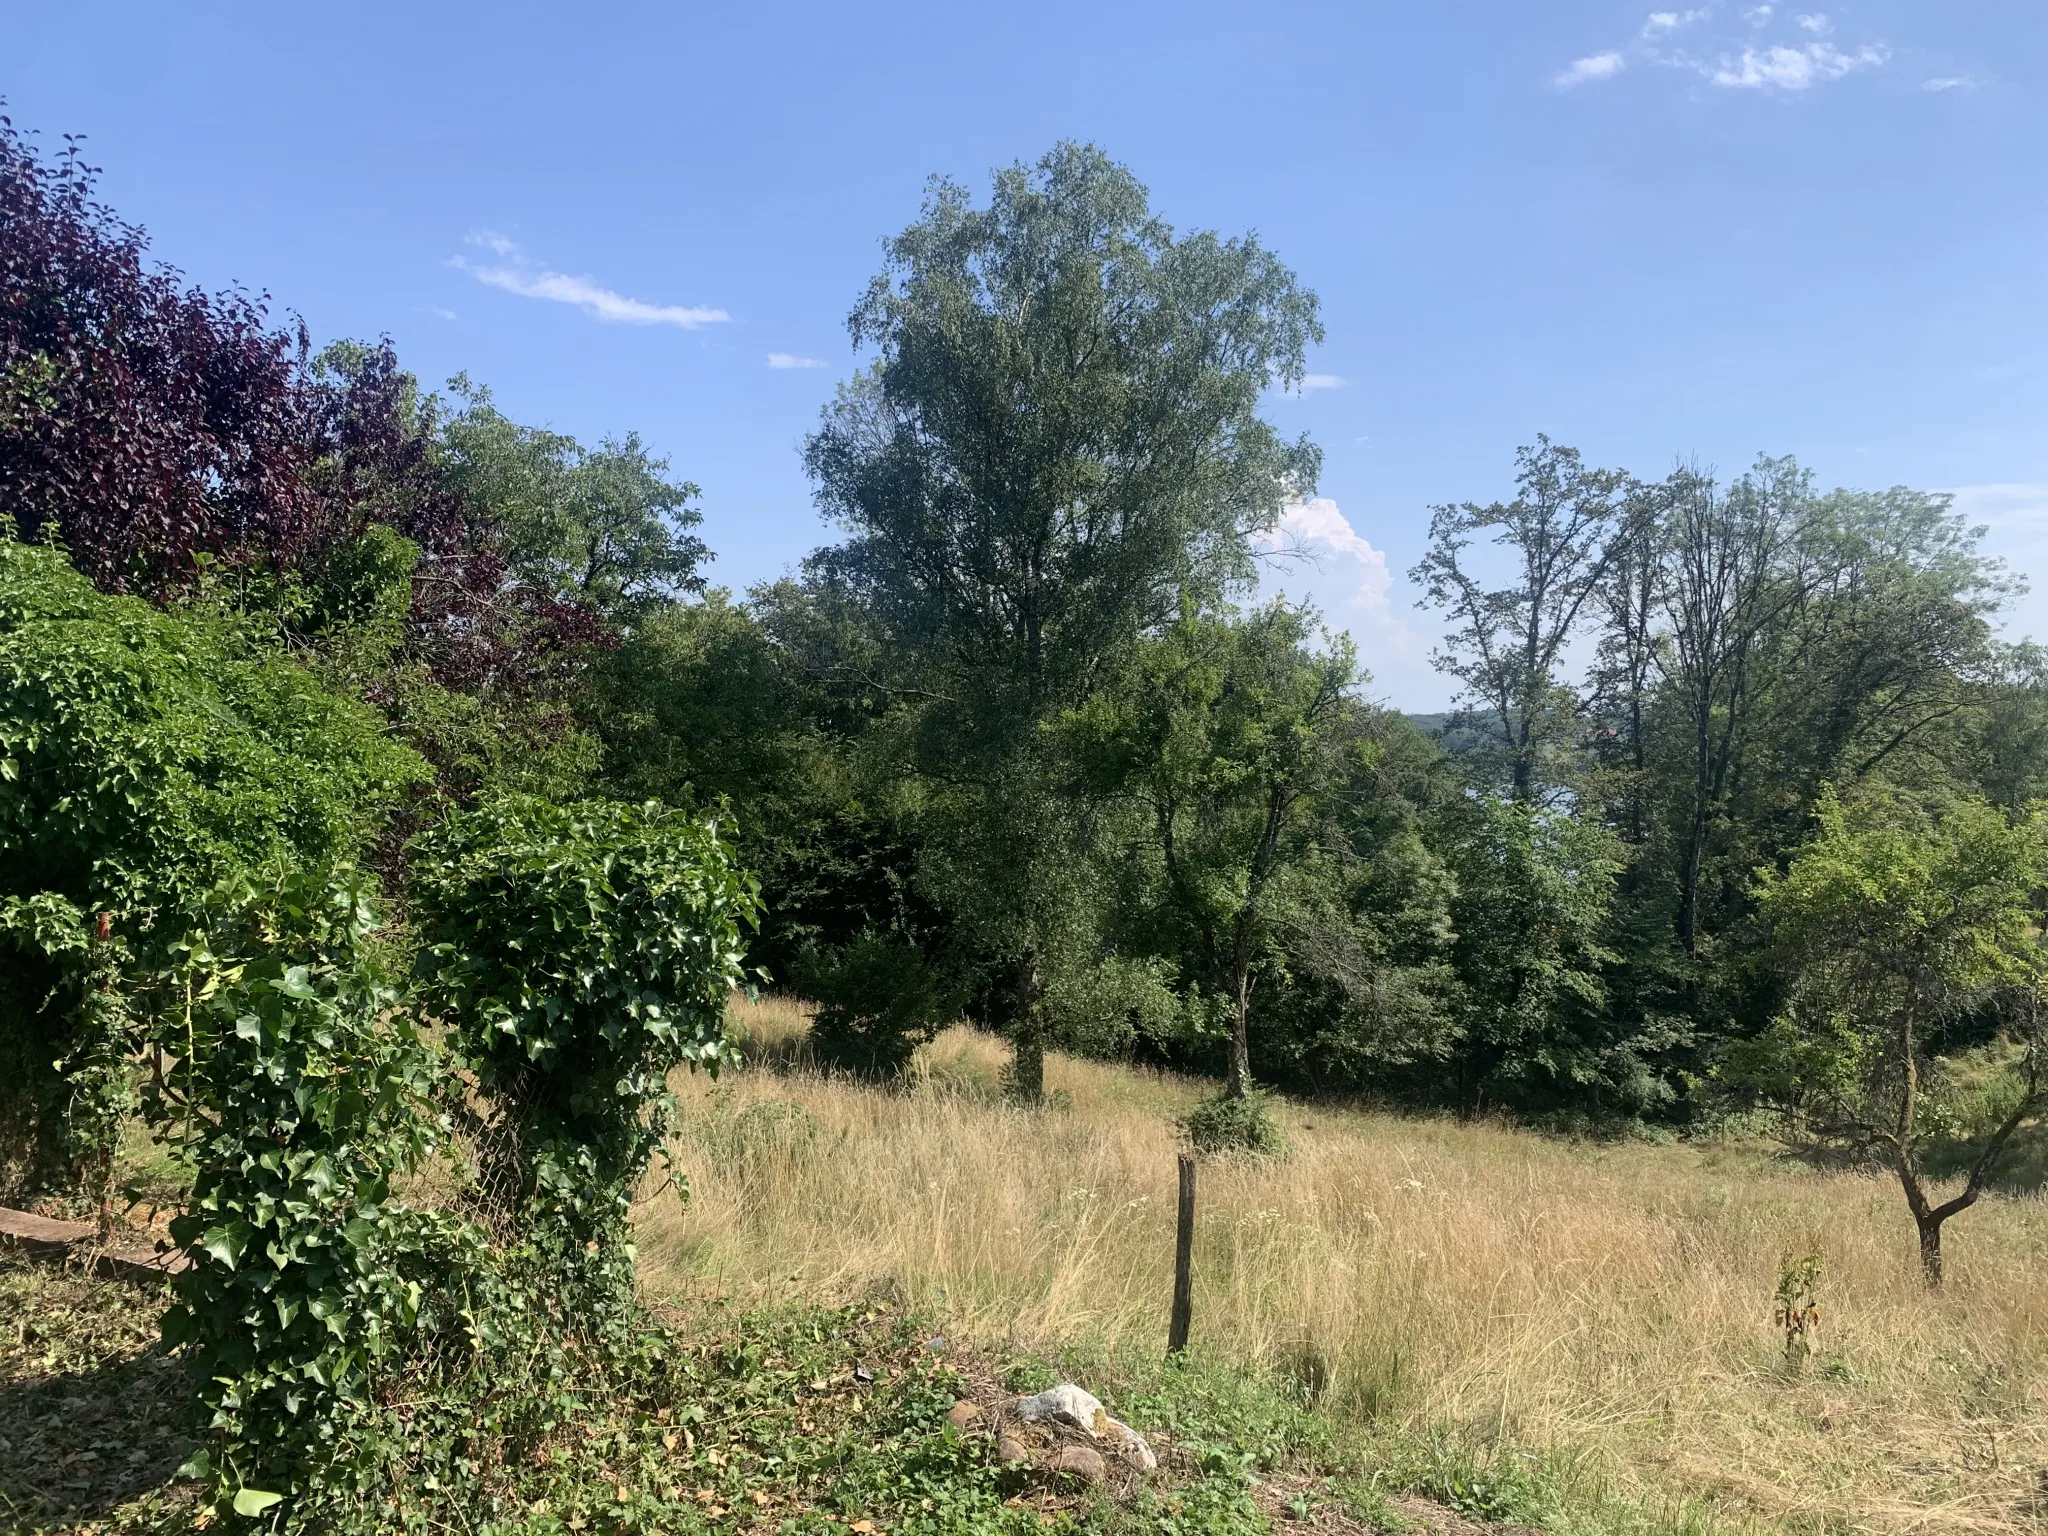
473 627
142 421
150 425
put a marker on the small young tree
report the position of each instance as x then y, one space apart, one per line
878 1001
1234 739
1893 922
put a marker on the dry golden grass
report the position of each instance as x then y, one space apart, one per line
1609 1300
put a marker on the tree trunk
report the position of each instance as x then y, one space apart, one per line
1027 1038
1027 1061
1239 1082
1930 1248
1927 1217
1689 872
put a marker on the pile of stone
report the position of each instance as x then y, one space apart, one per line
1064 1432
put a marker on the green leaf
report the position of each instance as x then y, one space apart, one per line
226 1242
297 982
253 1501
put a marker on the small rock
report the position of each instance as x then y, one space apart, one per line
1010 1451
1068 1403
1079 1461
963 1413
863 1373
1131 1445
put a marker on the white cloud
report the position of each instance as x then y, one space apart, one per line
1790 69
1315 381
1949 83
1316 520
601 303
793 360
1660 22
1807 57
1599 66
439 313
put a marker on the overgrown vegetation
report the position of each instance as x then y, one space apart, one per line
388 809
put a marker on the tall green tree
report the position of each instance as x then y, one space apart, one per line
1058 437
607 527
1806 638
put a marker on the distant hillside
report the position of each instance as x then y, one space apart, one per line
1438 727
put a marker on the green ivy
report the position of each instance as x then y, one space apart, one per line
580 954
299 1090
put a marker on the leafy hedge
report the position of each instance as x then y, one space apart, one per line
145 757
354 1349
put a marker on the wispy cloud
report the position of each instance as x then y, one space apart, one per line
437 312
1791 69
2012 504
520 276
1805 56
1949 83
1597 66
793 360
1311 382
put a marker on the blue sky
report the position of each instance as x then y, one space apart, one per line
1704 232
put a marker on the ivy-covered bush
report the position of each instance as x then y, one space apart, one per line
145 757
299 1091
580 954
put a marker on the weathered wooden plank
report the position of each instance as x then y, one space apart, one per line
51 1238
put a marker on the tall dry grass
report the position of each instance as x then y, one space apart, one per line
1614 1301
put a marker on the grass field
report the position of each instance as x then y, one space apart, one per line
1607 1305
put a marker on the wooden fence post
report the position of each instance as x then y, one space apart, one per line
1183 1260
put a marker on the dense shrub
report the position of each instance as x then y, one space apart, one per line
1104 1007
1229 1124
878 1001
300 1092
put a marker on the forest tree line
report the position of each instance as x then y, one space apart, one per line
1018 743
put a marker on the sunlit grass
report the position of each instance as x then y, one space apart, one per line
1610 1301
